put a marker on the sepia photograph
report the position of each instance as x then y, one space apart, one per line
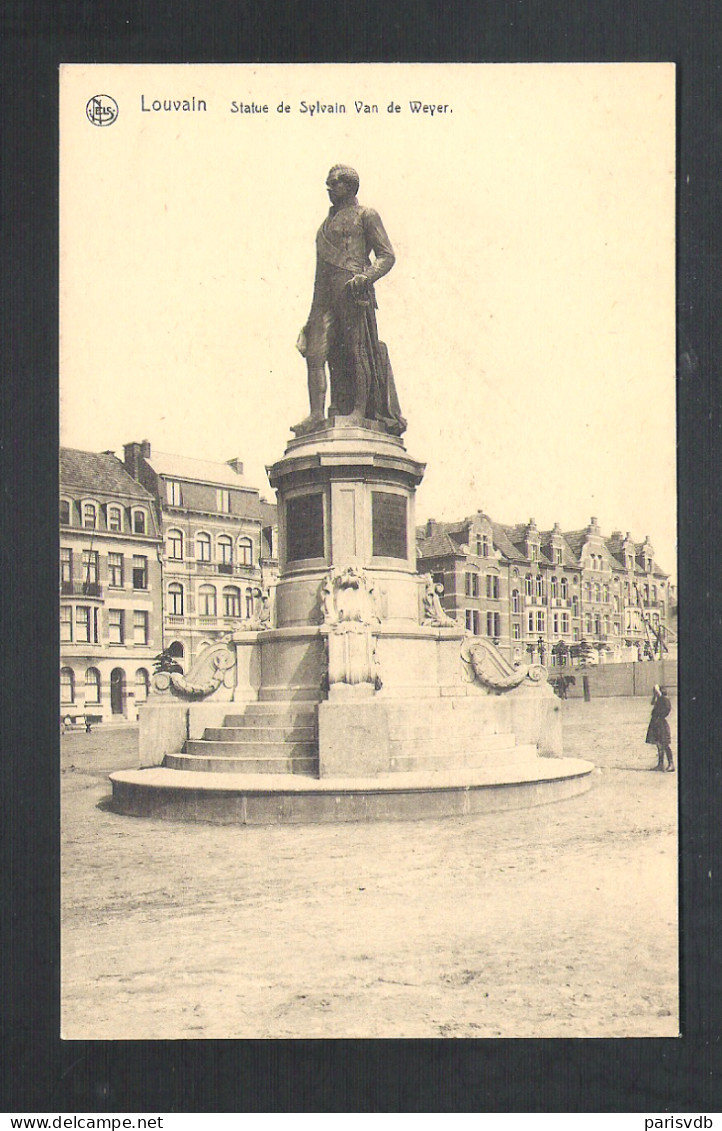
368 559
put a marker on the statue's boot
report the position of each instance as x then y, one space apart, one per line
316 396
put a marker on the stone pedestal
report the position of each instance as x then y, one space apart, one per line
346 498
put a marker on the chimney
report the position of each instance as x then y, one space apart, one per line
133 454
236 464
557 528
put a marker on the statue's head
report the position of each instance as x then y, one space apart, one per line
342 181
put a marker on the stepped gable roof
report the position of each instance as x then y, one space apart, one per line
568 556
197 470
516 535
503 542
575 540
98 473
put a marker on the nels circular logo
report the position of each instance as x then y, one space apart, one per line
101 110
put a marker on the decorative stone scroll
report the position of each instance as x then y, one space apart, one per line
210 671
434 615
484 664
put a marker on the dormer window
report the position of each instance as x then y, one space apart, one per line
558 555
115 519
90 516
223 500
533 552
65 511
173 493
139 522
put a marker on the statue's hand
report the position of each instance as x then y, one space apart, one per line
358 286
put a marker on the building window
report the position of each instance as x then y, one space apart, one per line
66 565
86 625
175 545
223 500
207 601
115 519
533 553
245 551
203 547
231 601
142 685
492 585
555 624
92 686
654 592
67 685
516 631
90 516
485 547
564 589
588 624
173 493
575 606
528 585
554 587
116 628
175 599
66 624
530 622
225 550
587 590
249 602
139 523
515 601
597 593
617 627
540 621
115 570
90 567
140 626
540 586
65 512
605 594
140 572
493 624
597 626
557 555
565 623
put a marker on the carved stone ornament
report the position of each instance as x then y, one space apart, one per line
347 595
484 664
207 674
261 618
434 615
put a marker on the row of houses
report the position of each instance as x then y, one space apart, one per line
160 552
551 596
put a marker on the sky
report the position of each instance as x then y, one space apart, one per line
529 317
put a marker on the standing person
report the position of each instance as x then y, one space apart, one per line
341 330
658 733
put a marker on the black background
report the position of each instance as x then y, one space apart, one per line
41 1073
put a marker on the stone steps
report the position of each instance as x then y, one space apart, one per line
203 746
260 734
212 763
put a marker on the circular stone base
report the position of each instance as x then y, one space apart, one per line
270 799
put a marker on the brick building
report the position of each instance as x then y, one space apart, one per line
549 594
219 545
110 591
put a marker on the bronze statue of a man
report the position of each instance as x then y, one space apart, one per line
341 329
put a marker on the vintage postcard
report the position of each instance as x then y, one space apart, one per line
368 587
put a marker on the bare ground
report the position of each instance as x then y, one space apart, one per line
559 920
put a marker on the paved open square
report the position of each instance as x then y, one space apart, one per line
559 920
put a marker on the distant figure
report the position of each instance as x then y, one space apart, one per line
658 733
